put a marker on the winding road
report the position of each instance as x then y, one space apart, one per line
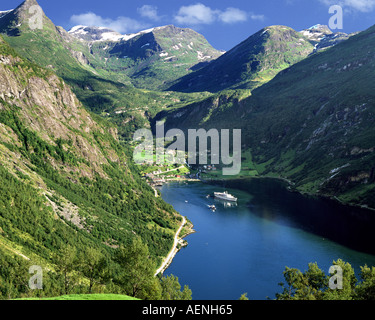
173 252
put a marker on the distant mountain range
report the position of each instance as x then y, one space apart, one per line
179 59
312 124
103 67
259 58
151 58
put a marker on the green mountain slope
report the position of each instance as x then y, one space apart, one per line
251 63
100 89
152 59
311 124
65 179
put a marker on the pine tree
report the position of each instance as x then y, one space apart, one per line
137 268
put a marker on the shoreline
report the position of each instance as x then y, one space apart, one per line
171 255
290 183
179 240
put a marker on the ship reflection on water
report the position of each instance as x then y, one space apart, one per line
226 204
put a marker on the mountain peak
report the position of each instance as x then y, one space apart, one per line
95 33
31 2
18 20
316 32
91 33
320 27
322 37
27 4
250 63
275 31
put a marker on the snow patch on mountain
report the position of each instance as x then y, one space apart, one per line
110 36
201 56
3 13
95 34
322 37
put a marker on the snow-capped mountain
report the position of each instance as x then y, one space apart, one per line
251 63
94 33
103 34
322 37
153 58
317 32
3 13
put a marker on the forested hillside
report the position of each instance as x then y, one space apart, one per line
66 180
312 124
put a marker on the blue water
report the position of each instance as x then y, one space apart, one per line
246 248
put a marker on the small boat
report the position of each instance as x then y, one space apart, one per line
225 196
212 207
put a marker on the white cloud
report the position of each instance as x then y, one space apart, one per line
202 14
358 5
149 11
196 14
233 15
120 24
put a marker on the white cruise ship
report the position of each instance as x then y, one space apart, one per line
225 196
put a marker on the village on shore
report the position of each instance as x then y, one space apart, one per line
161 175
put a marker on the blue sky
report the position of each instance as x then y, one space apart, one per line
224 23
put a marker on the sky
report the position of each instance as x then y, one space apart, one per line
224 23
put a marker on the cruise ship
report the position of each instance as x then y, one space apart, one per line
225 196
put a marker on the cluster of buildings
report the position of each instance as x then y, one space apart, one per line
209 168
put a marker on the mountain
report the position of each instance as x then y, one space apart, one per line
312 124
251 63
152 58
49 46
93 33
3 13
65 179
322 37
317 33
99 88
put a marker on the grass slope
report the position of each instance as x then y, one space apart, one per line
101 88
251 63
155 59
65 179
312 124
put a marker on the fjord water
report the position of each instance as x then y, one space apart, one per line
245 248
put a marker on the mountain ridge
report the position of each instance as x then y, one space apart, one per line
251 63
311 124
155 57
150 73
67 181
323 38
98 87
95 33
